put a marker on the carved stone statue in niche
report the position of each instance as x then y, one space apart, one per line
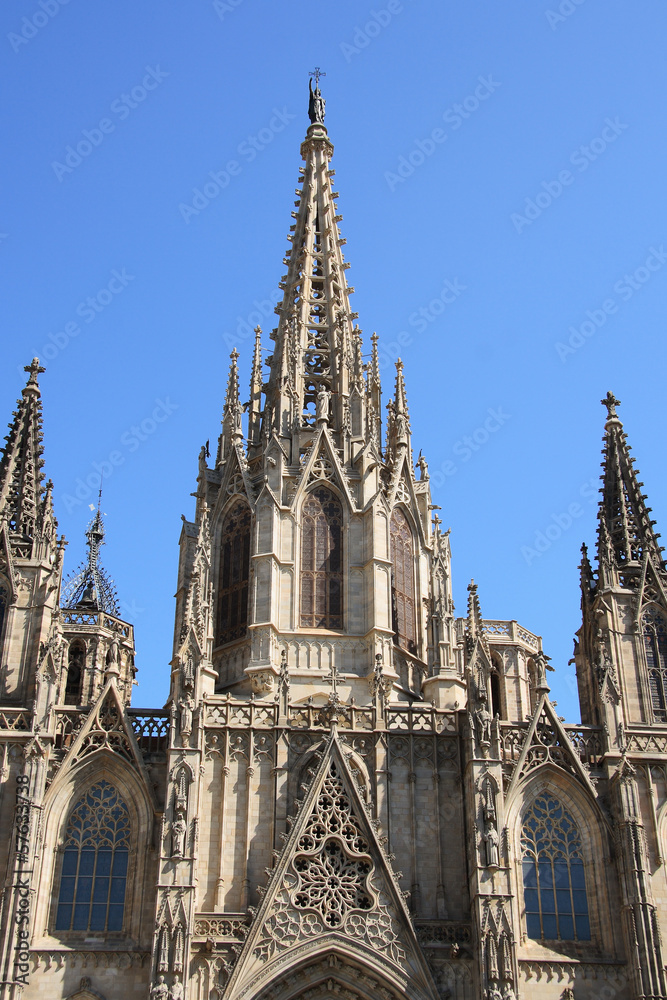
159 990
491 841
483 719
179 831
176 991
323 405
186 706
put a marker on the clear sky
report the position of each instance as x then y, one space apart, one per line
501 170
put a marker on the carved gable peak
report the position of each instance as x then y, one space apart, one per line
547 742
107 729
332 890
322 464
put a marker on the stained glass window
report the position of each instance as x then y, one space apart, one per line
322 561
94 869
402 581
234 574
554 884
655 643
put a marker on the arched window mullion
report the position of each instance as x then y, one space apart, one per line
402 583
233 574
554 884
322 561
654 628
95 859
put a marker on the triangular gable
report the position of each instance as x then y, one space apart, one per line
107 728
235 479
547 742
480 658
322 465
402 489
651 589
332 891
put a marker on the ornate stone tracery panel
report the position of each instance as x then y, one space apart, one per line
331 883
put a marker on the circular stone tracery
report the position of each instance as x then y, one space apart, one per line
333 866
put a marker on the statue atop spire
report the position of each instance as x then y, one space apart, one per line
316 103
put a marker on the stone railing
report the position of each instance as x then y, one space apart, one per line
646 741
15 720
418 718
99 619
151 730
502 629
220 927
434 933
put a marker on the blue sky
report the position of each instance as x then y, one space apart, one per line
501 174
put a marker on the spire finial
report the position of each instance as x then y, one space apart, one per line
35 369
316 103
611 403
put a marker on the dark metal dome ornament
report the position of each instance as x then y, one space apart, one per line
90 588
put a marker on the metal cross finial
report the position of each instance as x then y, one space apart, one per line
317 73
611 403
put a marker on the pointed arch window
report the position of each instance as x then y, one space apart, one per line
234 574
94 868
76 661
402 582
655 644
322 561
554 883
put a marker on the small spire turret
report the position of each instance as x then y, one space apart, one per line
256 382
90 586
625 535
474 630
232 412
21 477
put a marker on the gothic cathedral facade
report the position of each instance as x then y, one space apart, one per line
351 793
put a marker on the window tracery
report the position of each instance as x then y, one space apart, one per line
234 574
655 644
554 885
322 561
94 868
402 581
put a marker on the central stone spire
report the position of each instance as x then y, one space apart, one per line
316 367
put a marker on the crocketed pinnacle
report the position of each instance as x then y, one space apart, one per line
232 412
474 630
255 404
21 477
90 587
625 530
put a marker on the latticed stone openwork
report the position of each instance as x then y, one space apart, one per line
333 862
332 882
